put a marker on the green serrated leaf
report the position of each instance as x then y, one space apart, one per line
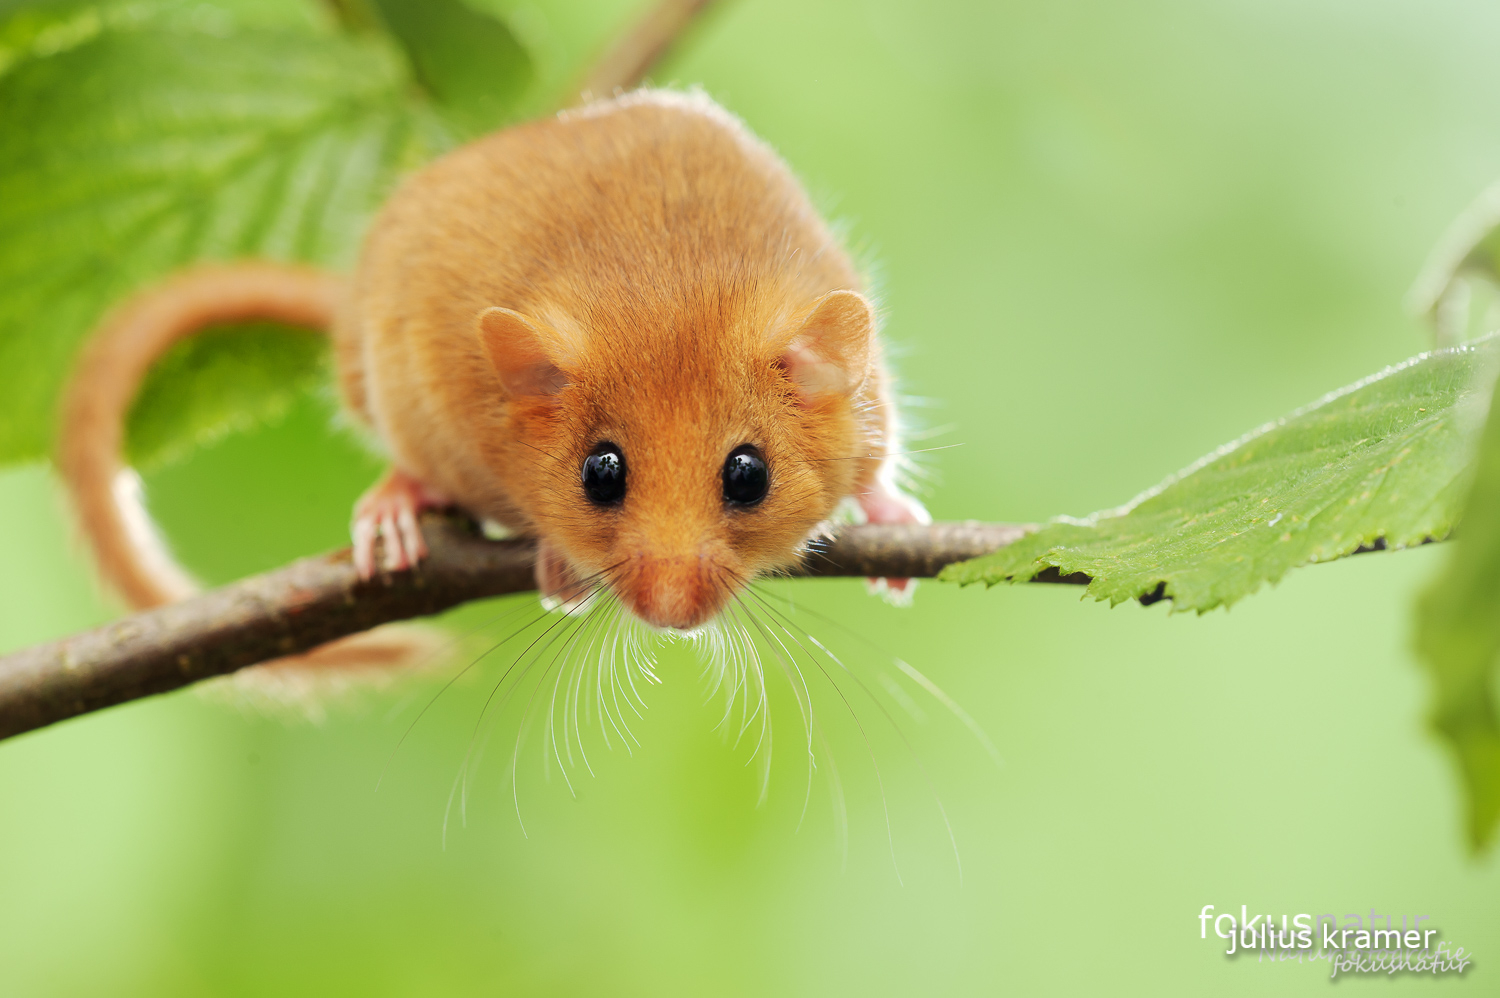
224 379
1385 461
138 151
1458 640
468 61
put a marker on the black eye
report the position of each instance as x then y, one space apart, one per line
745 476
604 475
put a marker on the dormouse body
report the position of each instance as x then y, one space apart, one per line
623 330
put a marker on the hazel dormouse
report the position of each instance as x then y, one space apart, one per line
623 330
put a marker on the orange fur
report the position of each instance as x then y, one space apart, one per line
106 494
641 270
666 264
97 399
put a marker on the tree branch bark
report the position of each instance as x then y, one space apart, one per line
316 600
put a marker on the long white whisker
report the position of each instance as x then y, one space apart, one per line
921 766
943 698
836 802
927 684
604 711
800 692
456 677
574 620
869 748
747 717
614 685
575 687
578 610
468 754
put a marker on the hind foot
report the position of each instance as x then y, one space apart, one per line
388 513
886 504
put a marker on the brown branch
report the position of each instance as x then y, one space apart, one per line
316 600
626 63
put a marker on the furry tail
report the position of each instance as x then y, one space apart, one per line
107 494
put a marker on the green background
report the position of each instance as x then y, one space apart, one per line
1110 237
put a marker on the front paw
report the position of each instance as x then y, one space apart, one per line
388 513
557 583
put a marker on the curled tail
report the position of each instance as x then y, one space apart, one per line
105 492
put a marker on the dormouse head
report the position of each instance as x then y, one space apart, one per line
671 455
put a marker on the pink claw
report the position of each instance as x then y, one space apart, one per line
388 513
886 504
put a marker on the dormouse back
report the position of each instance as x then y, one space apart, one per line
653 194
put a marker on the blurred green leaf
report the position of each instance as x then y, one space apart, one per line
41 28
224 379
32 29
469 62
143 149
1385 461
1462 272
1458 639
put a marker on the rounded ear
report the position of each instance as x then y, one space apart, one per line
832 350
517 348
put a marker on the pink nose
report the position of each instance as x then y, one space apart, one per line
673 592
